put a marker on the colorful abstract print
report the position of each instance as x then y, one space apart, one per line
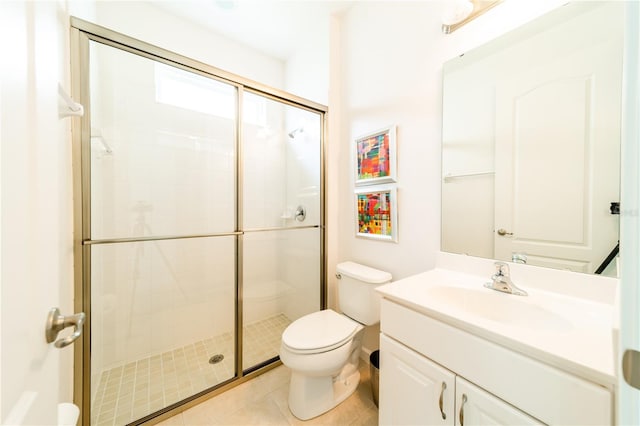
374 213
373 157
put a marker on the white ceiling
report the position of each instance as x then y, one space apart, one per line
275 27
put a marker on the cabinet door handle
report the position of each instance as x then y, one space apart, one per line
444 386
464 399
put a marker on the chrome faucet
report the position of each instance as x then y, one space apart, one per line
501 281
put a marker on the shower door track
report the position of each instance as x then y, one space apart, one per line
248 231
183 237
159 238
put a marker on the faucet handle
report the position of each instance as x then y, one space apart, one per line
502 269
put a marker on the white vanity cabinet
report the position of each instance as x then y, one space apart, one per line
488 382
415 390
477 407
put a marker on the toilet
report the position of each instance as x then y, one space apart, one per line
322 349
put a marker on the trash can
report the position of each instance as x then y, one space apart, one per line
374 370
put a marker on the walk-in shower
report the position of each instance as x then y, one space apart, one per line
193 251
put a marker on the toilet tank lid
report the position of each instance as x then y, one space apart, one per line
363 273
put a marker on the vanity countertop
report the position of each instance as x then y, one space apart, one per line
569 332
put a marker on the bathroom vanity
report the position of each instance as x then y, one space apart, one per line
453 352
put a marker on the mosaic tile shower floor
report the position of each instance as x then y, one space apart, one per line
132 391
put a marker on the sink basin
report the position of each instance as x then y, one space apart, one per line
507 309
569 328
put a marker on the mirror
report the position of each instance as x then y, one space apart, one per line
531 142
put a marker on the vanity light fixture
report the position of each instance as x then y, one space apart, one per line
459 12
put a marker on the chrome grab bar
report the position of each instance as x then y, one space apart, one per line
57 323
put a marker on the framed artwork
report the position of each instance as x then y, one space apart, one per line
376 213
376 157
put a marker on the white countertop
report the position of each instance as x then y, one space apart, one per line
569 332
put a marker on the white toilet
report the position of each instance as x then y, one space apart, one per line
322 349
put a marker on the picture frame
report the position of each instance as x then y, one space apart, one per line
376 213
375 157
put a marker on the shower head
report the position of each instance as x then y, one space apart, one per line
292 134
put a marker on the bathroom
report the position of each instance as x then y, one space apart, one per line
334 68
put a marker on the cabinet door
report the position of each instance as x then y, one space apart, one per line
413 390
478 407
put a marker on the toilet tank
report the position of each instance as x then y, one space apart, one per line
356 295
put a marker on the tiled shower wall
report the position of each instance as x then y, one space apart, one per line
171 172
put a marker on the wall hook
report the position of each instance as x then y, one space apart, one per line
68 107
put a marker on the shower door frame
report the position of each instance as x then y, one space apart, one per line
82 33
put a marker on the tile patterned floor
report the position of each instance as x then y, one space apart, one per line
132 391
262 339
263 401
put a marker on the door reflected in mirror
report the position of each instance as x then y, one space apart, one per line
531 142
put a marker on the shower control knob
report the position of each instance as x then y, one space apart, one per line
300 214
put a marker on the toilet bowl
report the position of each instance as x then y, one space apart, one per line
322 349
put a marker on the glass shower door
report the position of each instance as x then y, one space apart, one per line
281 245
161 231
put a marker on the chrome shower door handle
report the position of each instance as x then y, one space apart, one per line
57 323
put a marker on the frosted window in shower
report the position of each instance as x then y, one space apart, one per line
281 164
185 90
193 92
162 148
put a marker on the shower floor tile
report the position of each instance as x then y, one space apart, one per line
132 391
262 340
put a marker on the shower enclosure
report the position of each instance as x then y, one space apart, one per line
199 200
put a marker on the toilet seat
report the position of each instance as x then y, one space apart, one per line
319 331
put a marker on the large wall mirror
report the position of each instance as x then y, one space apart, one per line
531 142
